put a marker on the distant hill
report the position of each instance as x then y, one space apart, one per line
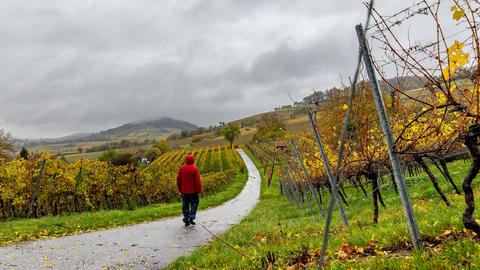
141 130
148 128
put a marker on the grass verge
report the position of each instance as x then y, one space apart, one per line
278 235
56 226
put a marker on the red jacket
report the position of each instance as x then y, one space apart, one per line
188 178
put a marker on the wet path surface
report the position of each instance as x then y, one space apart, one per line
144 246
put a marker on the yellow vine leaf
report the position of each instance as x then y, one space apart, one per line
446 73
458 13
453 87
456 59
441 98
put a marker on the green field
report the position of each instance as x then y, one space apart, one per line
95 155
90 156
278 235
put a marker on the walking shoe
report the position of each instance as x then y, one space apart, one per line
187 222
192 222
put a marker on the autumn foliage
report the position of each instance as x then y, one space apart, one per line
88 185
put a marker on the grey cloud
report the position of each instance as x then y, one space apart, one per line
73 66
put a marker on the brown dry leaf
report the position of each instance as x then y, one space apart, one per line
293 267
345 247
372 243
342 255
447 233
345 251
359 250
428 244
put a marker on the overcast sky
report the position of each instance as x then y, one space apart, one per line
82 66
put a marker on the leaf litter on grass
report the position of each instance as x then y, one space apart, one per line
307 258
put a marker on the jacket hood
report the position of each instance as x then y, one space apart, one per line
190 160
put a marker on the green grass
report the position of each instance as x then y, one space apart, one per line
56 226
89 156
276 227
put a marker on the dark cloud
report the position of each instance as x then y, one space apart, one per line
73 66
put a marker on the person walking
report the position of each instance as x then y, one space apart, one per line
189 186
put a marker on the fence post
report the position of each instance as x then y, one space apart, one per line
385 125
331 178
310 185
36 189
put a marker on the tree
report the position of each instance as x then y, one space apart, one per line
6 145
174 136
270 127
123 159
230 132
108 155
153 153
117 159
162 146
196 138
24 153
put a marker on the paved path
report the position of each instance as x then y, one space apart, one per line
144 246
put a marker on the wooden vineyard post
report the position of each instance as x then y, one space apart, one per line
307 176
387 132
36 189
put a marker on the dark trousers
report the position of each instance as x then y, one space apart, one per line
189 206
